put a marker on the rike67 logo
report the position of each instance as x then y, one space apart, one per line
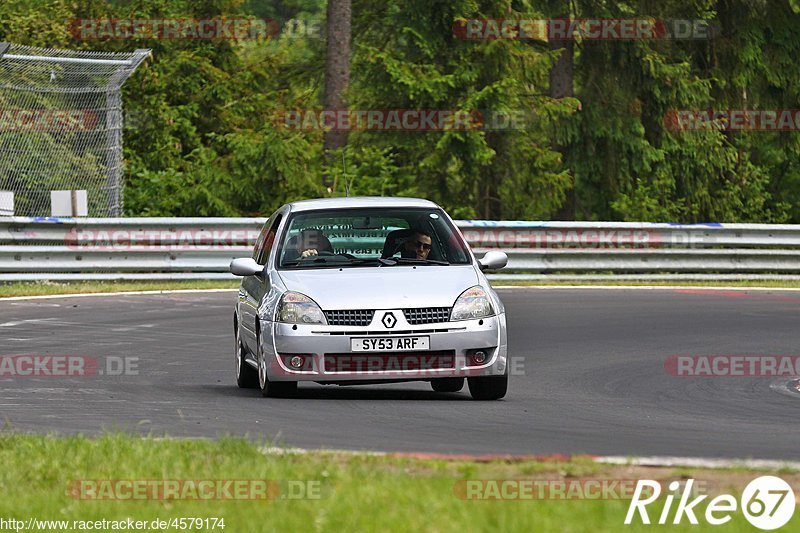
767 502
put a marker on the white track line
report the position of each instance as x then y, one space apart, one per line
277 450
648 287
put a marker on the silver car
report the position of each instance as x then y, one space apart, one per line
368 290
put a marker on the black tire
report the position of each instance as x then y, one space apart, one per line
488 388
279 389
272 389
246 375
447 384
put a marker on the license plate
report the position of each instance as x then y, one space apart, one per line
389 344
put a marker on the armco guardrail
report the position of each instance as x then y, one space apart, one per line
202 248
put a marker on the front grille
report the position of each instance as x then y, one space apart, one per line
390 362
427 315
363 317
355 317
393 332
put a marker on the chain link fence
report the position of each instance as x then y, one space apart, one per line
61 126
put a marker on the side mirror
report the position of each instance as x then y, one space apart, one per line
493 260
246 267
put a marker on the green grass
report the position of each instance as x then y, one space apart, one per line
359 492
47 288
52 288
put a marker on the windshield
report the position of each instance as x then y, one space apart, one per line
370 237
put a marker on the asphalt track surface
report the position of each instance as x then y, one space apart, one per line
590 378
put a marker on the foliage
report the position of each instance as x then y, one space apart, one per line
202 138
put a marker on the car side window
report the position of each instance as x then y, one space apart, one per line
268 241
262 237
260 242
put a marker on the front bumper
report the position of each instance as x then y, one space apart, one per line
327 355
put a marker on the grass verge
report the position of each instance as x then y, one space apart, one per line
48 288
357 492
52 288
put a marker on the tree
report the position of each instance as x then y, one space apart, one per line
337 72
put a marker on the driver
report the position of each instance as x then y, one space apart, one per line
417 245
311 241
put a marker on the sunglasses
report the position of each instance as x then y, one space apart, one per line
423 245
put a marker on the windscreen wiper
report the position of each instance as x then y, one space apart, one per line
364 261
305 261
334 261
391 261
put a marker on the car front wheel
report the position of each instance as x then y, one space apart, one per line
489 387
447 384
246 375
272 389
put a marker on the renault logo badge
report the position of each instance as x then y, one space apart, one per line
389 320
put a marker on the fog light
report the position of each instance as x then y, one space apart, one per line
479 357
296 361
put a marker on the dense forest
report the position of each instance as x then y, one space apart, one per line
201 137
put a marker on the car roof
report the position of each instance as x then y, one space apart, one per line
359 201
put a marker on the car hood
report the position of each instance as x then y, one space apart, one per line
395 287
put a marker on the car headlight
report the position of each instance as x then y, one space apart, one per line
297 308
473 303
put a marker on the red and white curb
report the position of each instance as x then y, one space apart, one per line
699 462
